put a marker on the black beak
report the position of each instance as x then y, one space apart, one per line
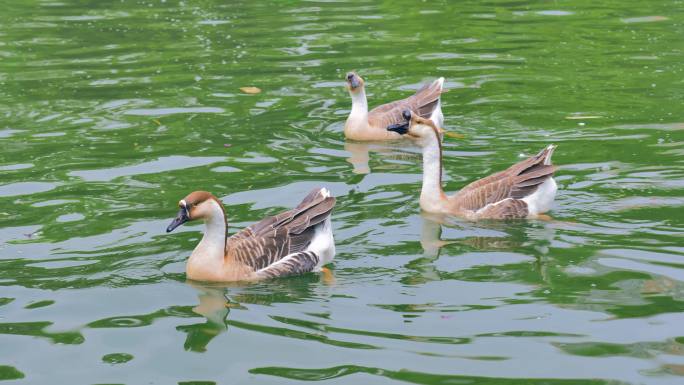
399 128
181 218
353 80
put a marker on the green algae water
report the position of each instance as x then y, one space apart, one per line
112 111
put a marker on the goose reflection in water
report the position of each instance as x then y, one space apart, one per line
528 238
360 153
214 306
216 300
432 242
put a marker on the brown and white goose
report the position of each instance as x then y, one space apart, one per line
364 125
524 190
293 242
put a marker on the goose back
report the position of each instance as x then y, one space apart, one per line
273 238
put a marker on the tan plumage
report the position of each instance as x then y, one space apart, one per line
526 189
293 242
364 125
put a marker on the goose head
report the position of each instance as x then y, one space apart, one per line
354 82
197 205
415 127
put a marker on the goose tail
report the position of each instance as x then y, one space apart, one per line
440 83
547 153
542 197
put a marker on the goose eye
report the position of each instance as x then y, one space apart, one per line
406 114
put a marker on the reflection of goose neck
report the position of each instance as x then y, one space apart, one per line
359 156
430 238
212 305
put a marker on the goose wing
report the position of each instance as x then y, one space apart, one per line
498 195
508 208
269 241
292 264
423 102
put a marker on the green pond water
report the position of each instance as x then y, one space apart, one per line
112 111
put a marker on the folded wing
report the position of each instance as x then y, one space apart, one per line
500 195
424 102
267 242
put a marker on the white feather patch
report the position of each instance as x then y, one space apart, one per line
492 205
323 243
325 192
542 199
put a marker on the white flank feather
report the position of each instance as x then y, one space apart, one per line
542 199
323 244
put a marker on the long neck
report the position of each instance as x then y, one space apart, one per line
210 252
359 105
431 194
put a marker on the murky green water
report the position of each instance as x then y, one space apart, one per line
111 111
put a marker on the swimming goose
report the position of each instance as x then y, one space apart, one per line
524 190
293 242
364 125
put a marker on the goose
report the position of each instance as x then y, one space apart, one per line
293 242
363 125
524 190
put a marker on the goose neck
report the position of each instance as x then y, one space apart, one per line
210 251
359 104
431 194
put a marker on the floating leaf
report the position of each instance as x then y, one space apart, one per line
250 90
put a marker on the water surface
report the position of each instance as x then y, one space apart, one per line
112 111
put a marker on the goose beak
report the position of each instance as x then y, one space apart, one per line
399 128
181 218
353 81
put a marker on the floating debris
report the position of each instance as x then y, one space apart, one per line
250 90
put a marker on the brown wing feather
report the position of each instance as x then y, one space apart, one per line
423 102
269 223
515 169
269 240
516 182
